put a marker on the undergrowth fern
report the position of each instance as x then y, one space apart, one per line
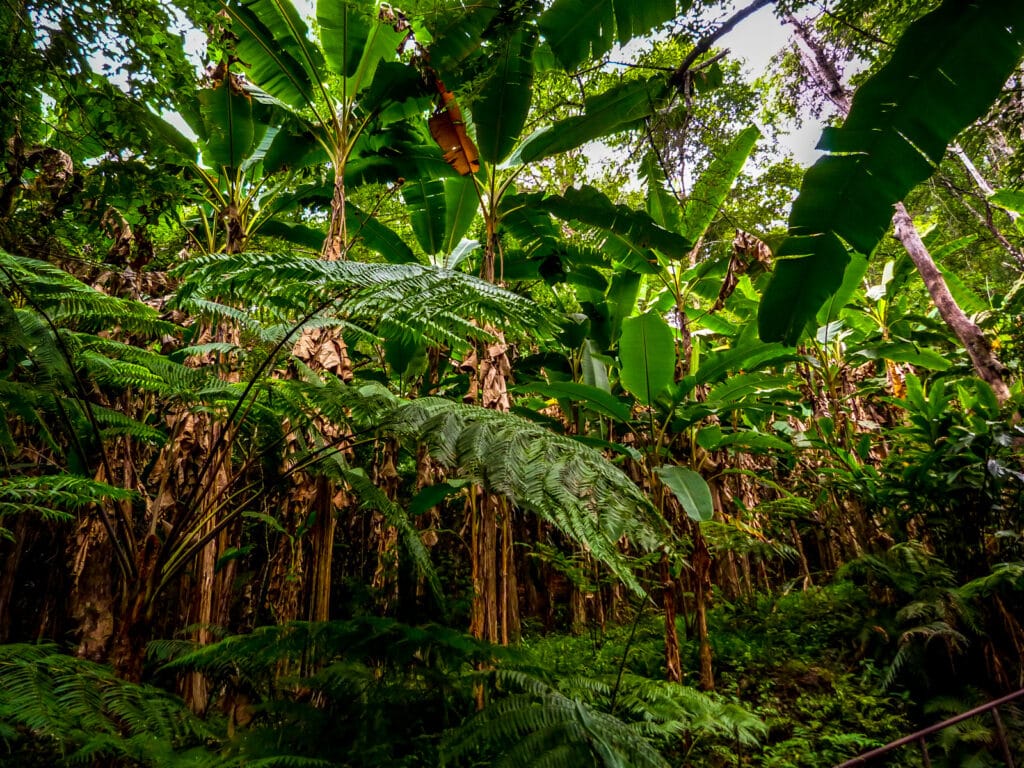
563 481
80 712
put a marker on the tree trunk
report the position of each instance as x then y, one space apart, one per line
336 241
980 351
673 664
495 610
701 564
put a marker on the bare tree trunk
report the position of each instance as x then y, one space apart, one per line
980 351
700 562
822 70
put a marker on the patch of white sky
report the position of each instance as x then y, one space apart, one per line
756 40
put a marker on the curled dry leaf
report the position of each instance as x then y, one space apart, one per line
449 131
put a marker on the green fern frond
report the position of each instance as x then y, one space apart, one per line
256 655
394 300
83 708
113 423
1004 576
563 481
70 303
54 497
146 369
545 726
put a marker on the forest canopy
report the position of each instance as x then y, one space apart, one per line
489 384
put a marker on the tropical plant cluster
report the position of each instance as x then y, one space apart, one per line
357 412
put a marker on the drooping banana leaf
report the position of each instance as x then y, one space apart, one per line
691 489
355 41
710 190
617 109
344 29
662 205
460 206
455 41
591 206
577 29
499 114
945 72
231 133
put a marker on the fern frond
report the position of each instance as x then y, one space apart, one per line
130 366
394 300
563 481
54 497
83 707
70 303
544 726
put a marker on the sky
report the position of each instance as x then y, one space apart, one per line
756 39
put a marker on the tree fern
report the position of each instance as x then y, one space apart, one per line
82 712
396 300
563 481
581 720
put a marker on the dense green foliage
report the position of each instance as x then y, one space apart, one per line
354 414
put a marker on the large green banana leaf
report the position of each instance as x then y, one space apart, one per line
577 29
945 72
499 114
647 356
591 206
230 133
710 190
273 41
618 108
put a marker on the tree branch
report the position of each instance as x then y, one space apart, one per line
678 78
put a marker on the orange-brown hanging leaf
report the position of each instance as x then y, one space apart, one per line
449 131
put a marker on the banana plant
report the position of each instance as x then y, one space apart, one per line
337 87
656 365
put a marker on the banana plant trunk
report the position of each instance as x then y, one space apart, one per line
495 610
